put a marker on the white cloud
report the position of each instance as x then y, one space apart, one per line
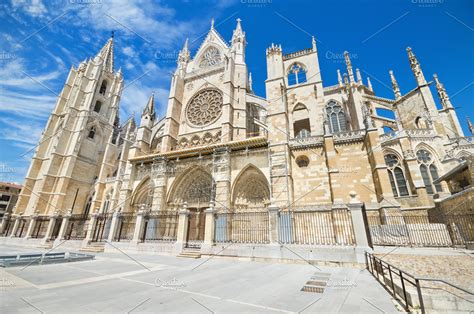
29 106
152 22
21 133
31 7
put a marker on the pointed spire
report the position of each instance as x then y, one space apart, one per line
470 126
107 54
416 68
339 78
184 54
369 84
396 89
313 42
346 80
238 34
442 94
250 82
359 77
212 23
150 107
349 67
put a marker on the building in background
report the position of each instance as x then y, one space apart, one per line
8 197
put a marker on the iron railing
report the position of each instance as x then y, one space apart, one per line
9 225
57 226
421 230
77 227
22 228
40 227
101 227
407 288
160 226
316 227
126 227
242 227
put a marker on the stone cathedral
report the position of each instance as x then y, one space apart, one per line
304 147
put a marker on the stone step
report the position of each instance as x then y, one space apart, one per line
190 253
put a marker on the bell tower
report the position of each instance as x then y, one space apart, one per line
66 163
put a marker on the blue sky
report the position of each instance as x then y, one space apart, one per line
41 40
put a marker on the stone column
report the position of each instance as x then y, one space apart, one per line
64 224
15 225
4 222
221 176
90 228
139 225
113 226
159 172
182 227
358 225
49 230
210 226
273 223
32 225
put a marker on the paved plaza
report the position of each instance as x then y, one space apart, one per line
120 283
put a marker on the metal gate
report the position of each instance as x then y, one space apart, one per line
41 226
22 228
101 227
196 227
57 226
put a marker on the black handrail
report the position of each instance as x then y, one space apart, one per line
376 266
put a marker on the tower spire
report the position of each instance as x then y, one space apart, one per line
470 125
339 78
349 67
313 42
396 89
250 82
369 84
358 76
150 107
442 94
107 54
184 54
416 68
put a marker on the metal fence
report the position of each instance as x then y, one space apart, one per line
421 230
408 289
57 226
77 227
22 228
316 227
9 225
126 227
160 226
242 227
101 227
40 227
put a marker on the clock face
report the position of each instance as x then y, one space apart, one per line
204 108
211 56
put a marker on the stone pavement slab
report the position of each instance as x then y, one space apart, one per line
148 283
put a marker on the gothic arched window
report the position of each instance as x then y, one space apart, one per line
336 117
103 87
87 207
396 176
296 74
97 106
429 171
92 132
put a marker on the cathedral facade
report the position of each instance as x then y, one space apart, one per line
221 149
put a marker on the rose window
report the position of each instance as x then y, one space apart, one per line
204 108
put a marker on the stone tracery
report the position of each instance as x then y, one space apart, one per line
204 108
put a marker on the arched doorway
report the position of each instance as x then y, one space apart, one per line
251 192
195 189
